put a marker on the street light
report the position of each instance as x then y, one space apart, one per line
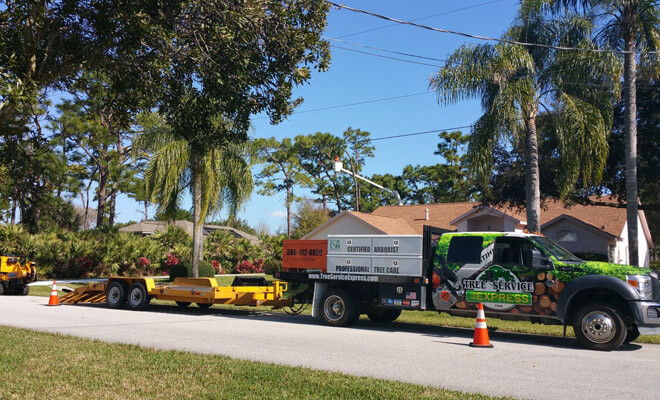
339 167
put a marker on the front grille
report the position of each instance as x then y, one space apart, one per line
655 282
653 313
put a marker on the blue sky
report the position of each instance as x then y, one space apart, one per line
355 77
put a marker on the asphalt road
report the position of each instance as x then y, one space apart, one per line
521 366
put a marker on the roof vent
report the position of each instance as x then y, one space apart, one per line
427 214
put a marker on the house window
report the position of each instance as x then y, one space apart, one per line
566 235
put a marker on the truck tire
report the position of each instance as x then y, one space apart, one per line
115 294
631 334
599 326
25 291
338 308
138 297
183 304
383 315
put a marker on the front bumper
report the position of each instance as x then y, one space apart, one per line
647 316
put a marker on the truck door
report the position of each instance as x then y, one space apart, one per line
509 283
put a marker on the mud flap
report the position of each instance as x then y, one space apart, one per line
317 301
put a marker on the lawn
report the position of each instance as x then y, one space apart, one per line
413 317
42 365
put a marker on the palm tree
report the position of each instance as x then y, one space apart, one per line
631 26
518 84
215 176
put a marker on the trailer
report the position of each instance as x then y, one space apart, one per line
137 292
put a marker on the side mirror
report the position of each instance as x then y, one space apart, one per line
536 260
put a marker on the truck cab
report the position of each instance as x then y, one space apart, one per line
528 276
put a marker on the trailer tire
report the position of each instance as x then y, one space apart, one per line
183 304
204 305
381 315
138 297
599 326
115 294
338 308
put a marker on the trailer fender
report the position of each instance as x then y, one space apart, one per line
601 282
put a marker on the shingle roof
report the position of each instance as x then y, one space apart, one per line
602 217
389 225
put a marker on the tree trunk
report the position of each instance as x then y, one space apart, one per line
532 185
630 129
146 210
288 209
103 189
113 205
198 222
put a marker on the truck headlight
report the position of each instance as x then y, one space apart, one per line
642 283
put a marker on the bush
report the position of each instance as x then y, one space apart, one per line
250 267
592 256
272 266
184 269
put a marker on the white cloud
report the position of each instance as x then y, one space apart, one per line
277 214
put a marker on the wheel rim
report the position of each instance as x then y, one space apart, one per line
334 307
136 297
598 327
114 294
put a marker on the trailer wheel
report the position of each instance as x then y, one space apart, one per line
338 308
138 297
383 315
115 294
599 326
183 304
204 305
25 291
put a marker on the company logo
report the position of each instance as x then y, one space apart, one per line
334 245
498 288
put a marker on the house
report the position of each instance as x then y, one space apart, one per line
146 228
580 228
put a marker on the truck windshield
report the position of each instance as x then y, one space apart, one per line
554 249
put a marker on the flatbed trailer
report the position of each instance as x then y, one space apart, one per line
137 292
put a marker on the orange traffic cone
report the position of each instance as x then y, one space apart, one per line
480 329
53 301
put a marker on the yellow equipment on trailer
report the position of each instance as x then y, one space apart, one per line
137 292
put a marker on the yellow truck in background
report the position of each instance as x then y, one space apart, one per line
14 276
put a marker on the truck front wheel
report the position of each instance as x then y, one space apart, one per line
599 326
338 308
115 294
383 315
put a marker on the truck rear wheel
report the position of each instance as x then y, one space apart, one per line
383 315
338 308
599 326
115 294
138 297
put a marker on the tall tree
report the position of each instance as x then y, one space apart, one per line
316 154
358 149
631 26
514 82
282 171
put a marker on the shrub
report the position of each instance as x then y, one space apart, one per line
184 269
247 267
272 266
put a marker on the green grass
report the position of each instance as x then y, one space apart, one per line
411 317
41 365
